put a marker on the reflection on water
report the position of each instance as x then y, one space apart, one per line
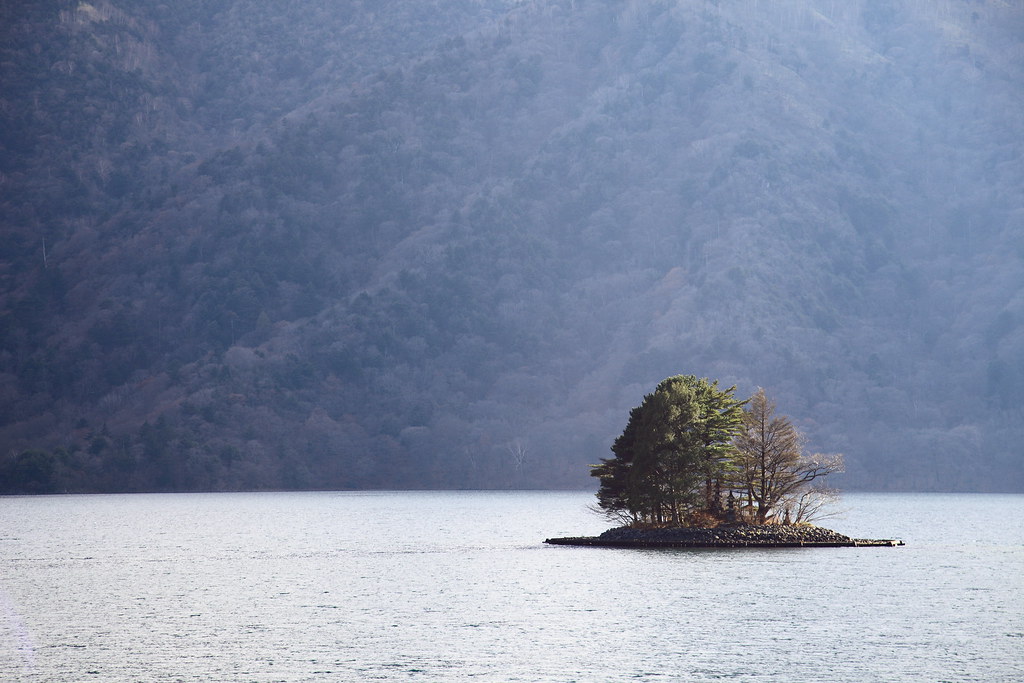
458 586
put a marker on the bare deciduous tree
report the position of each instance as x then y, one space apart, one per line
519 452
810 504
774 473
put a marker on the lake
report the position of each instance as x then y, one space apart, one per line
450 586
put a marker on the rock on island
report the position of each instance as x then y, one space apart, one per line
725 536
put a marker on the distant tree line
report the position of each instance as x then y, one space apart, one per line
693 454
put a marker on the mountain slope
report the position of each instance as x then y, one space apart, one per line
452 245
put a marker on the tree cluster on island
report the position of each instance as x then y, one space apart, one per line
693 454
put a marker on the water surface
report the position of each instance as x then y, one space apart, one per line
458 586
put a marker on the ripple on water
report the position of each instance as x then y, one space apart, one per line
458 586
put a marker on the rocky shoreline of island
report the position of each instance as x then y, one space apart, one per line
724 536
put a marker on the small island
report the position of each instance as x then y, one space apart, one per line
697 468
725 536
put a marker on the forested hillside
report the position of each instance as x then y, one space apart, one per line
450 243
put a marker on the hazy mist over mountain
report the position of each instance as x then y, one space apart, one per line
330 244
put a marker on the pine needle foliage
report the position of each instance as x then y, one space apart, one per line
693 454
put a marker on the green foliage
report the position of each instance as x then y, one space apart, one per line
692 454
31 471
674 454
